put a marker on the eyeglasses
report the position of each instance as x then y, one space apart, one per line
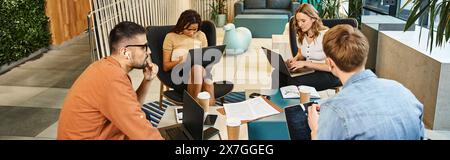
143 46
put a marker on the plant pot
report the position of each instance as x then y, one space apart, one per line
221 20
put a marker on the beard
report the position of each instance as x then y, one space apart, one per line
143 64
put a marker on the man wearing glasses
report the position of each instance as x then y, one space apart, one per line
102 103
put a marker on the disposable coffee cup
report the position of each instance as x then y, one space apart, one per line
203 98
305 95
233 126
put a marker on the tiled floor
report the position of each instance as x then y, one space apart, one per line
32 94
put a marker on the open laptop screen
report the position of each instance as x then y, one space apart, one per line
192 116
209 55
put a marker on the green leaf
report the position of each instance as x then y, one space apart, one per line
24 29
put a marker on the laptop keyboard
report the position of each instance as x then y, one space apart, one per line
176 134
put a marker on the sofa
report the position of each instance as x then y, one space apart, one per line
285 7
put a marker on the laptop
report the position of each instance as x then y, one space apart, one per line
210 55
191 127
297 121
271 55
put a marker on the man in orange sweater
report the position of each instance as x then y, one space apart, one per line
102 103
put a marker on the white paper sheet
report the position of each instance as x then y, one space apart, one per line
250 109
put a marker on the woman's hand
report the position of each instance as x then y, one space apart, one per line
182 59
298 65
290 61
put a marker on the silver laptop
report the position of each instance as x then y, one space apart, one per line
271 55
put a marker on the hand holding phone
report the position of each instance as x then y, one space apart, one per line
307 105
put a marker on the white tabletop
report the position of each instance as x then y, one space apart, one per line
169 119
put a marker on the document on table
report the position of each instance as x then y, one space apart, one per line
250 109
293 91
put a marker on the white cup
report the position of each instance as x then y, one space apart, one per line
203 98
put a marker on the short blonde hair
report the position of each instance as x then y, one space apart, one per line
346 46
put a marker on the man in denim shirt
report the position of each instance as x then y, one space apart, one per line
367 107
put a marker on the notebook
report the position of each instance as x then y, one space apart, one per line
251 109
294 91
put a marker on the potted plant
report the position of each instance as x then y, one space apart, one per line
218 12
328 9
436 9
355 10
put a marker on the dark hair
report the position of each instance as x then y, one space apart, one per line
187 18
124 31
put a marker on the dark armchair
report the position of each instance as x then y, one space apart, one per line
286 7
155 38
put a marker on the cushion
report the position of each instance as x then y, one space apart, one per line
278 4
268 11
254 4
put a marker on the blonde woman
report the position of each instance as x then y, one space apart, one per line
310 31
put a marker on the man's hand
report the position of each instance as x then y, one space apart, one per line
150 71
313 117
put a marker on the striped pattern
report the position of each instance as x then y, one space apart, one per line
105 14
154 113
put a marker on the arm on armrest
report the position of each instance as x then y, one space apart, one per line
294 6
238 8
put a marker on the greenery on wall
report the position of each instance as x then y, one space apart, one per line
23 29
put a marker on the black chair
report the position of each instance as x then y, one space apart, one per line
155 38
330 23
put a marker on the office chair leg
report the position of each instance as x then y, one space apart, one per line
161 90
222 100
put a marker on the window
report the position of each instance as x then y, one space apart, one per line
376 6
404 14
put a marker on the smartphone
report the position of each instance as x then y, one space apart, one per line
179 114
307 105
210 132
210 120
254 95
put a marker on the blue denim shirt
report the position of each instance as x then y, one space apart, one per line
371 108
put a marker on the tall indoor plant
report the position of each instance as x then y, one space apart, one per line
218 12
328 9
436 9
355 10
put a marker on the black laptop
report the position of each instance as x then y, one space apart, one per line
209 55
273 56
192 126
